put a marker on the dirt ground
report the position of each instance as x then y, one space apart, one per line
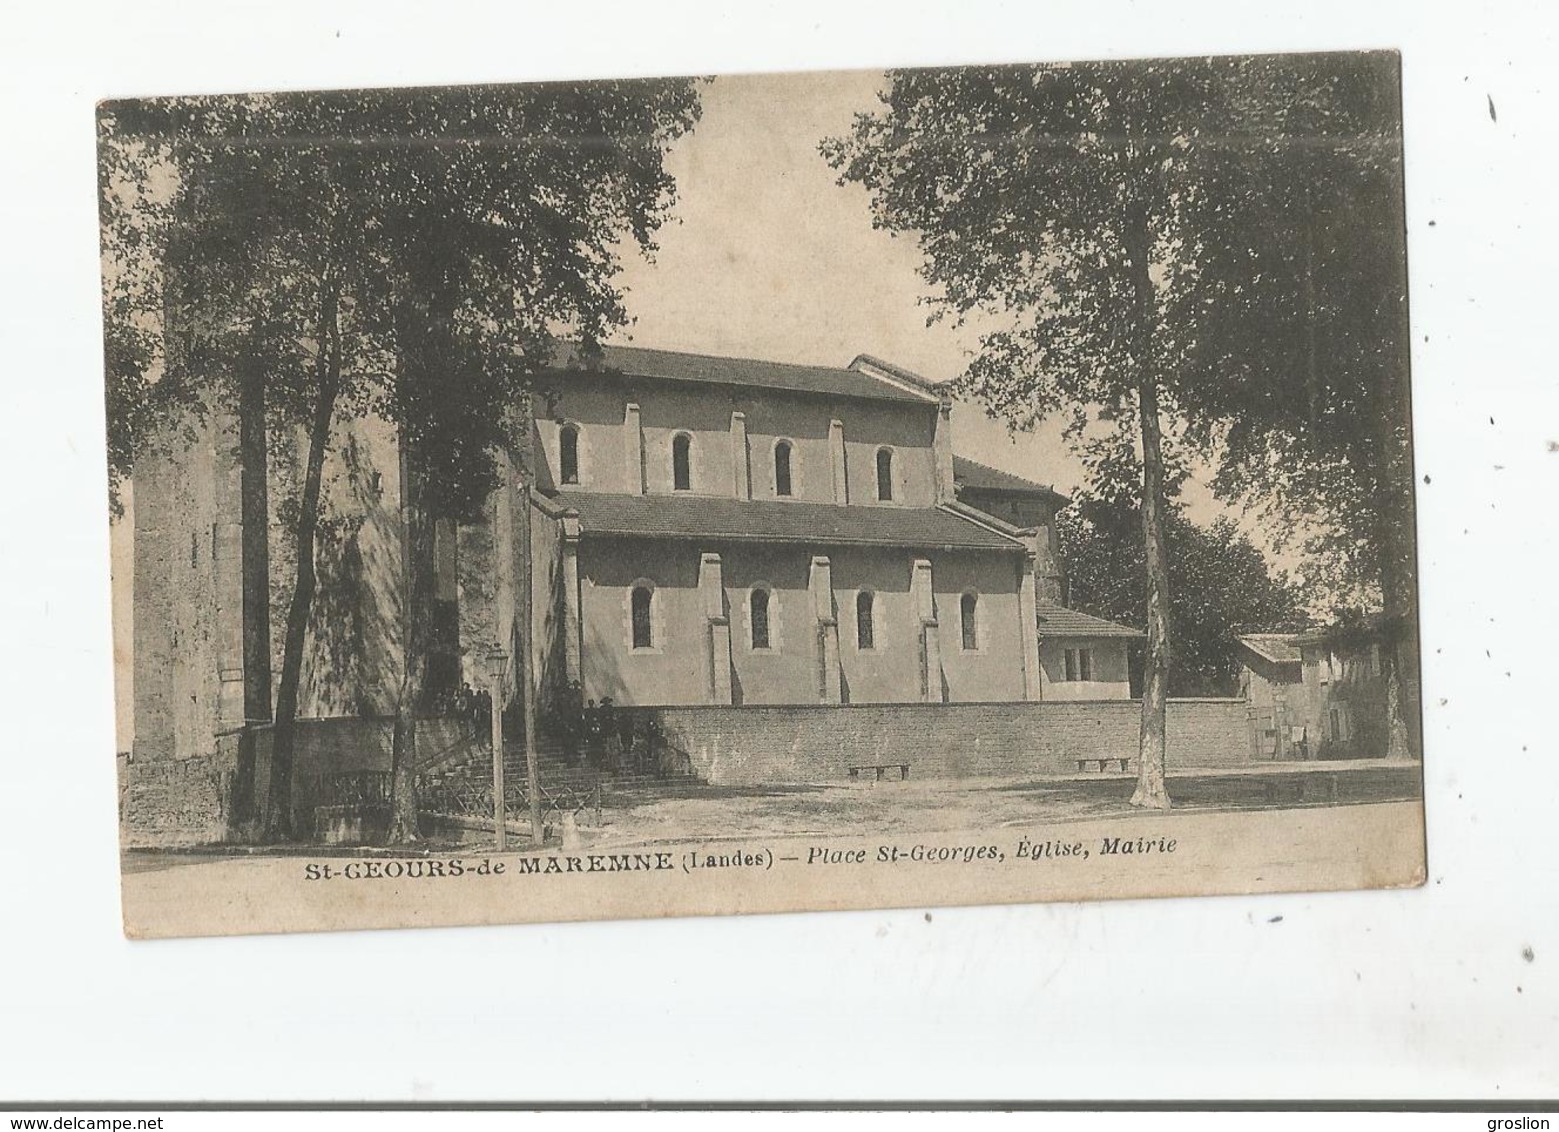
866 808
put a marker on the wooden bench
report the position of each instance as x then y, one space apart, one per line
1099 764
881 769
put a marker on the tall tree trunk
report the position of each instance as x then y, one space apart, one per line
524 678
1395 505
1151 791
423 328
278 819
256 589
1398 575
403 741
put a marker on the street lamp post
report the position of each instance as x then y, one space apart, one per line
497 665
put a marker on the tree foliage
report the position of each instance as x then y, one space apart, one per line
407 253
508 205
1021 183
1121 235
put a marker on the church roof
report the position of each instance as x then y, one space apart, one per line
890 384
971 474
718 519
1056 621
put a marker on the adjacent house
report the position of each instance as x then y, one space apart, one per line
1270 684
1349 672
1325 693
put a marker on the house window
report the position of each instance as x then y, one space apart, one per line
682 462
568 454
865 624
885 475
1338 733
1079 664
782 468
758 618
643 624
969 609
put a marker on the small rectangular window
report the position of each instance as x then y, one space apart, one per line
969 611
1084 664
782 468
643 630
682 462
760 619
568 454
1071 664
885 475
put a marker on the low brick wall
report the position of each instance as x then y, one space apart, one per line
166 803
817 743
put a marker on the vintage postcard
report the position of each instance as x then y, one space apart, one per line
686 496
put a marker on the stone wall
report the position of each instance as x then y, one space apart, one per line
805 743
173 802
166 803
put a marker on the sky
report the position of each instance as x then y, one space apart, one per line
769 257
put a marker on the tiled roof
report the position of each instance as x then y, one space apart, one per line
1055 621
1277 648
981 477
666 365
718 519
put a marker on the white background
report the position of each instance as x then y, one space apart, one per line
1406 994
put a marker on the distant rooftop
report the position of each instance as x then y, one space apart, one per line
865 378
1056 621
982 477
1275 648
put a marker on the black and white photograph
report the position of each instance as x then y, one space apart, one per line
643 497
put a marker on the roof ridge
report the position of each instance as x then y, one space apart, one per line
1001 471
725 357
898 371
867 381
959 507
976 467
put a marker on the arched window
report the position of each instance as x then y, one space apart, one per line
969 610
758 618
865 621
568 454
885 474
782 468
682 462
643 624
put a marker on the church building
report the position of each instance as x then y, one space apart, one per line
703 530
742 532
